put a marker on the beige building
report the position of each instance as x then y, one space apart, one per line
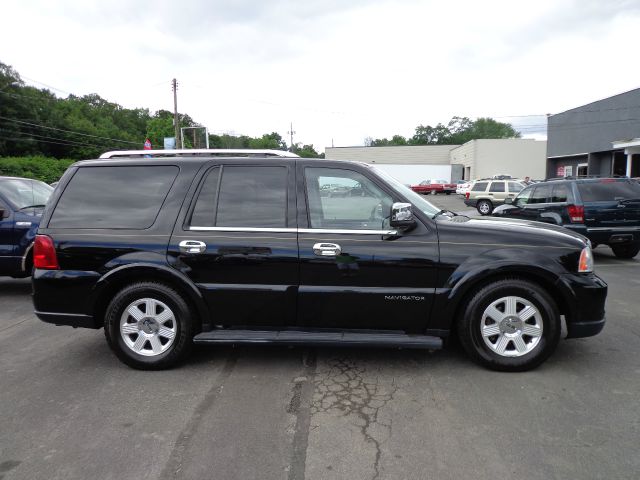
405 155
517 157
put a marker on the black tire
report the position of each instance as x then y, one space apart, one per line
469 325
448 193
184 326
484 207
629 250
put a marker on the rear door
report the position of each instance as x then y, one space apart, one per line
238 243
611 203
353 272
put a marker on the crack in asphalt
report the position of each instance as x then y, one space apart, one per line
173 466
345 390
300 406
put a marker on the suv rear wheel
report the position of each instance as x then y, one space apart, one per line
510 325
149 326
629 250
485 207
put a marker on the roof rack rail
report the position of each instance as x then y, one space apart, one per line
199 152
580 177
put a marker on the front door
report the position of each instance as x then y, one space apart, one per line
238 243
353 272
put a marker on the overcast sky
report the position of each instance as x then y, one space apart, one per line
340 70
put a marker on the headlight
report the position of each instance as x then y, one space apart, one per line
585 265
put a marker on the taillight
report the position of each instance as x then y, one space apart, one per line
576 213
44 253
466 195
585 265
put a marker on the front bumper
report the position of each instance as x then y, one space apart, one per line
587 295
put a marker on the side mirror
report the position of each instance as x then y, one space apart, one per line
2 213
402 216
508 201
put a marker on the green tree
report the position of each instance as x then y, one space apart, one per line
458 130
306 151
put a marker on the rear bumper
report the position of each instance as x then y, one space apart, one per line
64 297
619 235
588 294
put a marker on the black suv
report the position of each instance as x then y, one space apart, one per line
167 252
605 210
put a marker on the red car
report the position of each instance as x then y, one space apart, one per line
434 186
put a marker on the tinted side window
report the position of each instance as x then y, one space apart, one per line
541 194
515 187
252 196
344 199
496 187
560 193
114 197
205 208
523 197
608 190
479 187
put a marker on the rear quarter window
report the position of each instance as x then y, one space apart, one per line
608 190
479 186
126 197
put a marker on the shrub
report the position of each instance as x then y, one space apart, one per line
41 168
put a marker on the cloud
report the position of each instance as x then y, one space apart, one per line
337 70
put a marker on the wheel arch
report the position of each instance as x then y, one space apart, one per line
116 279
469 283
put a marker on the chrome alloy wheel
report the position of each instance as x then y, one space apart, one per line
511 326
484 208
148 327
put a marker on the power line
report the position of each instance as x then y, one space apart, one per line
68 131
67 142
14 139
48 86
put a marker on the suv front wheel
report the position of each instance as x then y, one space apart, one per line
510 325
149 326
485 207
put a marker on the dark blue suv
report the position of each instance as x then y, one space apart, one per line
22 202
605 210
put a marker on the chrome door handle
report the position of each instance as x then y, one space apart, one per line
327 249
192 246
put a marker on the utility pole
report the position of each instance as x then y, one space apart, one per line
175 112
291 133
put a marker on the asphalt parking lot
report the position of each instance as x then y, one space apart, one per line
71 410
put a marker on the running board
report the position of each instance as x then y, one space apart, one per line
319 338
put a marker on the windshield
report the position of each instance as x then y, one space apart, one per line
416 199
22 192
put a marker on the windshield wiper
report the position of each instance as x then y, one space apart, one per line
32 206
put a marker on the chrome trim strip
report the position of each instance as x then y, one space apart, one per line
292 230
613 229
243 229
58 314
355 232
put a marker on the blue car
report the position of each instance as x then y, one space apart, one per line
22 201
